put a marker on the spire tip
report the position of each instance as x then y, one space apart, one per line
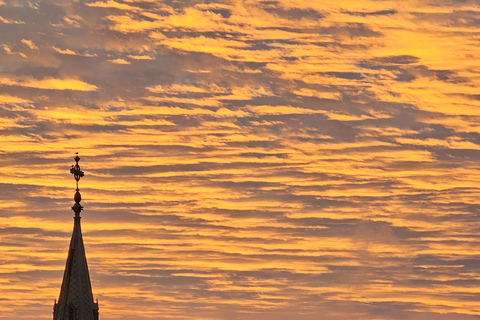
77 174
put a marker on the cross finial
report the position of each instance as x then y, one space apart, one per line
77 174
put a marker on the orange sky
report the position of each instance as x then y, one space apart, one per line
285 159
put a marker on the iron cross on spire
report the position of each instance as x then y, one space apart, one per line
77 174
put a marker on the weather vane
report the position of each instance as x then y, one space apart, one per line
77 174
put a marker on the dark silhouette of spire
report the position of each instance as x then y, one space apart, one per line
76 298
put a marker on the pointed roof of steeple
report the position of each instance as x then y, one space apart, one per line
76 298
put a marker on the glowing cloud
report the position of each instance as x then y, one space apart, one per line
290 159
48 83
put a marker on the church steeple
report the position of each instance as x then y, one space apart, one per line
76 298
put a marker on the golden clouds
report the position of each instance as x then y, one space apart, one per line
277 110
141 57
7 99
7 21
9 51
47 83
119 61
30 44
66 51
243 158
71 52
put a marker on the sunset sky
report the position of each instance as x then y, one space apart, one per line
244 160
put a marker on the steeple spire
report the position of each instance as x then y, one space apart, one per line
76 298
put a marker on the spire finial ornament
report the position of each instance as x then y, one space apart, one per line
77 174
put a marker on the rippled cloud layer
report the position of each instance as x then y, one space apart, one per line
290 159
